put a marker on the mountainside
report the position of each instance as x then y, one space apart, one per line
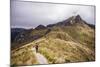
71 40
15 32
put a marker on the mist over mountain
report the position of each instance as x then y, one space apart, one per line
31 14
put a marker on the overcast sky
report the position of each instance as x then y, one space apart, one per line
32 14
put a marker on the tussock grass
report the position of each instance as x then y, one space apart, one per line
61 45
23 56
66 51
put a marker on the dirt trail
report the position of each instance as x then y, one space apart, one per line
40 58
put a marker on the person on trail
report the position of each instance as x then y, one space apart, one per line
36 47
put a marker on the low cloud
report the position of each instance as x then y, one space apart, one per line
31 14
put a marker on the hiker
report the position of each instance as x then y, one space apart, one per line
36 47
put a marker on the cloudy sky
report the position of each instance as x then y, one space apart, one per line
31 14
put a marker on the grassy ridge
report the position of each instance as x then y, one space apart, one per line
61 45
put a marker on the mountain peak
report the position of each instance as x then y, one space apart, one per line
40 27
78 18
70 21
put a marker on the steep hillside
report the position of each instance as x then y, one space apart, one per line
28 36
15 32
71 40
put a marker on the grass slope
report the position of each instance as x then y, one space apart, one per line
61 45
